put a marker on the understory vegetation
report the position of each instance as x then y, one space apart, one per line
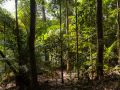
60 45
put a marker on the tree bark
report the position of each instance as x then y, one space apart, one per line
4 43
43 11
77 59
45 28
33 68
22 77
118 29
61 46
100 47
67 32
19 82
18 35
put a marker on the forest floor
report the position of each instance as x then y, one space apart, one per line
110 81
52 81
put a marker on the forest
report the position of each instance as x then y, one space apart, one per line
60 45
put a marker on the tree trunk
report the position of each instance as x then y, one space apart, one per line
43 11
76 11
67 32
44 20
90 40
118 30
18 35
19 82
100 47
61 52
33 68
4 43
22 78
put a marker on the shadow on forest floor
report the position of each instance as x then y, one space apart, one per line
110 82
106 84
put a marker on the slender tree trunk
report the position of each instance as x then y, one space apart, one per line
22 78
19 81
4 44
43 11
118 30
100 47
44 20
61 52
90 39
18 35
33 68
67 32
76 11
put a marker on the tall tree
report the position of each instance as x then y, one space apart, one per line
100 47
19 80
61 46
90 39
67 32
76 16
45 28
118 29
4 43
33 68
43 11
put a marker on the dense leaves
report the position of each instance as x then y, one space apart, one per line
48 39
